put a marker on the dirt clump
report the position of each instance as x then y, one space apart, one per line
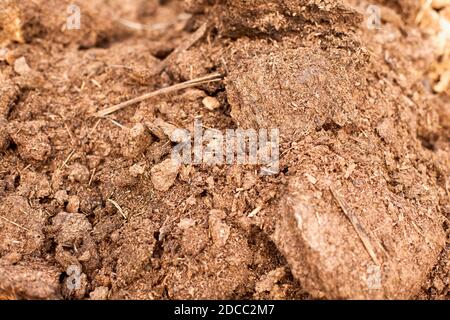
32 281
32 142
309 80
164 174
237 18
22 225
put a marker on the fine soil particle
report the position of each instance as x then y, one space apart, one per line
96 208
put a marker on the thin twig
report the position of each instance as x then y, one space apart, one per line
27 167
115 204
92 176
95 127
16 224
188 84
67 159
363 235
95 82
425 6
68 131
116 123
254 212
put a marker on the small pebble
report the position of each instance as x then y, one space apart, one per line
21 66
73 205
135 141
100 293
79 173
137 170
219 230
211 103
186 223
163 175
193 94
438 284
61 197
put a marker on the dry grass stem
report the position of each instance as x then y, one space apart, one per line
362 234
180 86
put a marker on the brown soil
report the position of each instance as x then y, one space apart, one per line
364 169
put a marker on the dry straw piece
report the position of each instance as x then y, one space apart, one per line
115 204
179 86
362 234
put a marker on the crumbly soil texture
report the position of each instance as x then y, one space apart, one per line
92 206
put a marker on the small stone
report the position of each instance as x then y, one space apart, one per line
186 223
163 175
61 197
185 173
191 201
219 230
311 178
211 103
100 293
21 66
115 236
137 170
194 94
169 130
438 284
268 280
135 141
386 130
11 57
73 205
79 173
86 256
